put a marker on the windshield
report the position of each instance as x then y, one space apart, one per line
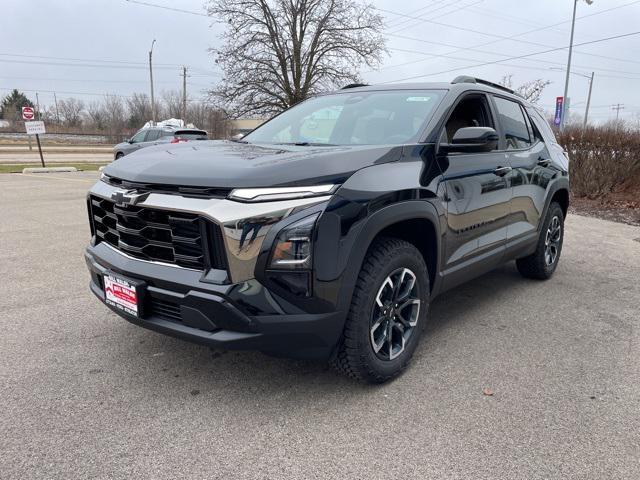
358 118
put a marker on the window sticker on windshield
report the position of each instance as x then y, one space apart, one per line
418 99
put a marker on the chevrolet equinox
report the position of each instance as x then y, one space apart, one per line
326 232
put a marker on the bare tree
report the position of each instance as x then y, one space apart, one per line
114 114
96 115
277 53
531 91
71 111
172 104
139 106
207 116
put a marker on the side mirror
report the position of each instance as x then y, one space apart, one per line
472 140
129 140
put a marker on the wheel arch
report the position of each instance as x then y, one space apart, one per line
405 221
558 192
561 196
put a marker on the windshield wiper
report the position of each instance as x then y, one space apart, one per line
307 144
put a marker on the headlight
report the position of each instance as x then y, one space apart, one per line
280 193
292 248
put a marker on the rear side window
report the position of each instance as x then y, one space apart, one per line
513 123
152 135
542 125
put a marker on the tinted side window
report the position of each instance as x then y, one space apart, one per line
472 111
513 124
542 125
139 137
152 135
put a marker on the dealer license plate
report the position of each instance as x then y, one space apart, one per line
122 294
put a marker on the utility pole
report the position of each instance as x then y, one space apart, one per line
566 80
38 107
153 103
184 96
617 107
586 111
55 100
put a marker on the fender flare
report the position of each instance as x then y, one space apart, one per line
561 183
374 224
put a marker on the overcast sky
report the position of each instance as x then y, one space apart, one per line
109 41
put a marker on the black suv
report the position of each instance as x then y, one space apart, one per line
326 232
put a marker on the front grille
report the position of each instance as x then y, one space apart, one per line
164 309
200 192
158 235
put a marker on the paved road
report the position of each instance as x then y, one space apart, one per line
34 157
84 394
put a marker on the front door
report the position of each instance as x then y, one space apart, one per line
477 198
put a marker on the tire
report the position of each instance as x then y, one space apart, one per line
392 270
119 155
543 262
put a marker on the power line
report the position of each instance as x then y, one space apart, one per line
516 57
448 55
173 9
95 60
452 3
83 65
88 80
531 67
67 92
514 37
400 21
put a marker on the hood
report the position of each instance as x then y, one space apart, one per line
237 165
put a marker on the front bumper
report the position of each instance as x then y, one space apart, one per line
243 316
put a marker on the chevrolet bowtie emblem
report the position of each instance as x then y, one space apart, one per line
130 197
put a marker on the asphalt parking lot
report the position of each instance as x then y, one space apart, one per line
85 394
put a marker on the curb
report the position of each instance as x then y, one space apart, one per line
49 169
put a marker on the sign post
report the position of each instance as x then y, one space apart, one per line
557 119
35 128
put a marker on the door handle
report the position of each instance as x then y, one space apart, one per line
502 171
544 162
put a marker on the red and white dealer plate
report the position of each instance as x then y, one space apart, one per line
121 294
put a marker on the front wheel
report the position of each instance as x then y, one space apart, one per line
388 312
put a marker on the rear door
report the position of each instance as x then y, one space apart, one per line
529 158
152 138
477 197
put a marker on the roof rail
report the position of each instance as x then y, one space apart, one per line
467 79
354 85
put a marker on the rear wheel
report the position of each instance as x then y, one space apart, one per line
388 312
543 262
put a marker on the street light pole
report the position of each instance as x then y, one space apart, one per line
586 111
566 81
153 103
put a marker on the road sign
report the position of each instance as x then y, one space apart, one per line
557 119
34 128
28 113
